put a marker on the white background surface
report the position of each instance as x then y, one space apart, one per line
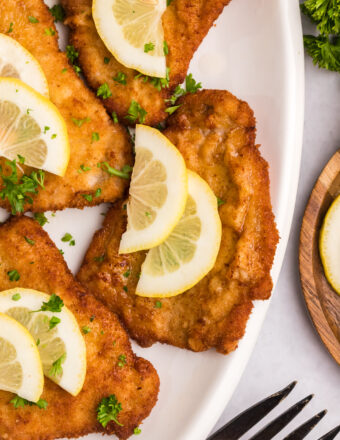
288 347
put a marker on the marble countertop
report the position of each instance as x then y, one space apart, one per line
288 347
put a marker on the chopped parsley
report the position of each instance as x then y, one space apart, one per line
10 29
148 47
120 78
21 159
124 173
29 241
159 83
126 274
50 32
80 122
191 86
16 297
92 318
86 329
121 360
61 251
15 189
56 369
106 60
98 192
54 304
95 137
115 117
136 112
125 288
88 197
64 70
67 237
108 409
99 259
19 402
220 201
104 91
137 431
158 305
83 168
58 13
53 136
41 218
32 19
165 48
172 109
46 128
13 275
73 55
53 322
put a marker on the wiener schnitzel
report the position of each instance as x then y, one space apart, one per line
215 132
82 111
185 24
135 384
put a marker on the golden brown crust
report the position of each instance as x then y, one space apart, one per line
215 132
185 24
136 385
74 100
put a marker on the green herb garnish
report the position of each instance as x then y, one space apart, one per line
56 369
41 218
13 275
54 321
16 297
148 47
108 409
54 304
136 112
32 19
104 91
120 78
58 13
124 173
29 241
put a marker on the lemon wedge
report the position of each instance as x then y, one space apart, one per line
20 366
158 191
32 127
56 335
132 31
329 245
191 249
17 62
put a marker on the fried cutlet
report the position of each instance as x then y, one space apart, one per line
185 24
135 385
215 132
75 102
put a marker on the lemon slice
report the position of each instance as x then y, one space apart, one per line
32 127
20 366
132 31
329 245
17 62
191 249
158 191
62 347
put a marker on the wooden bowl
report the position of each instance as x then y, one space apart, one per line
322 301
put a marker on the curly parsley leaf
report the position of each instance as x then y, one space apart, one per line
108 409
325 53
104 91
58 13
41 218
325 14
136 112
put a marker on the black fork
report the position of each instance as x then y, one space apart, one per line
242 423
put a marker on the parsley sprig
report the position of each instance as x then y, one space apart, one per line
72 54
324 48
136 113
108 409
16 189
